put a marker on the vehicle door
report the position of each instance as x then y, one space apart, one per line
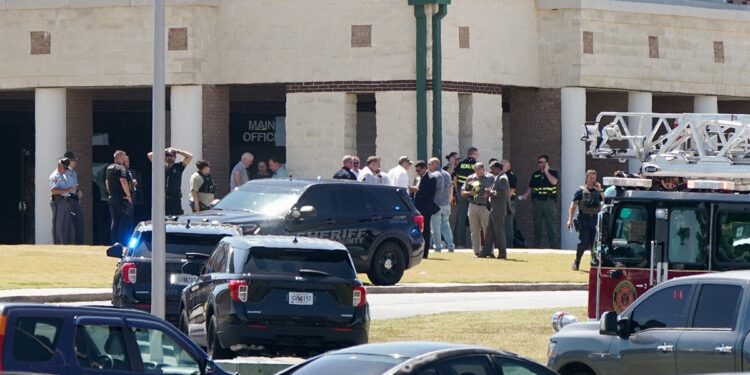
101 346
731 249
356 221
34 342
688 241
199 292
656 324
162 352
712 342
514 366
317 224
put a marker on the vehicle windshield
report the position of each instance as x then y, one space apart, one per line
266 200
347 364
629 237
177 244
299 262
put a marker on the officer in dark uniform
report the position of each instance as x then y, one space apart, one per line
588 201
510 226
76 215
173 179
61 189
543 191
464 169
118 182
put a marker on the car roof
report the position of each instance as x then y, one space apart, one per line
93 310
648 195
192 227
408 349
287 242
741 275
305 183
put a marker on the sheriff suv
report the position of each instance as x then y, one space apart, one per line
378 224
131 284
277 294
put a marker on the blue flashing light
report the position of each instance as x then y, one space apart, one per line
132 243
415 232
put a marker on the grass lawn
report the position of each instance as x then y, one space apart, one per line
50 266
525 332
520 267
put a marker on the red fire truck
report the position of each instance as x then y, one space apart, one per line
686 212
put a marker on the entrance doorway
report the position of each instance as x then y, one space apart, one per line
17 143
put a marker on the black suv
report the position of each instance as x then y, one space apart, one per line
131 285
278 294
378 224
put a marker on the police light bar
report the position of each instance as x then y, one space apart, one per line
627 182
710 185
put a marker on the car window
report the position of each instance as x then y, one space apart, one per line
348 364
35 339
629 235
351 202
263 199
428 370
320 198
102 347
394 201
667 308
468 365
178 244
217 259
264 261
733 240
161 354
688 237
510 366
373 204
717 306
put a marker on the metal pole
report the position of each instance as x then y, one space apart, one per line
437 81
158 234
421 81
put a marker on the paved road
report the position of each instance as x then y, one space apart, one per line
391 306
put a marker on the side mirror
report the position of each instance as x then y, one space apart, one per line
191 268
115 251
608 323
623 328
304 211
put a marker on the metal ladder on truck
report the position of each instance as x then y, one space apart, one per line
693 146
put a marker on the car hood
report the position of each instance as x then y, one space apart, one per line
227 216
578 329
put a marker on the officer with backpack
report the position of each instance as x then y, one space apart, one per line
588 201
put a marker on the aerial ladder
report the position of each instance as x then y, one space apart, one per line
710 151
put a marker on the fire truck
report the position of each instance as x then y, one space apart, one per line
686 212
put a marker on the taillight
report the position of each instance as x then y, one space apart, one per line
359 296
238 290
419 220
3 321
129 273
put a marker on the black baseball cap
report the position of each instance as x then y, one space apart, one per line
70 155
451 155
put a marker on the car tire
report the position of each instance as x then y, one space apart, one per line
183 324
215 350
388 264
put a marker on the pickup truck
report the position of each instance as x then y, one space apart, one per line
71 340
691 325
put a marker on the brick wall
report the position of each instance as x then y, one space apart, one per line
734 106
534 130
79 133
672 104
597 102
216 134
395 85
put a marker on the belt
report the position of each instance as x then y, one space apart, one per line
477 204
58 196
545 199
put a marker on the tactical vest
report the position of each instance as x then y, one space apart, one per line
543 192
591 201
208 184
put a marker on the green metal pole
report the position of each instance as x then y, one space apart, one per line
437 82
421 81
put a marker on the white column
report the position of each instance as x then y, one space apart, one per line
50 127
186 119
638 102
573 154
705 104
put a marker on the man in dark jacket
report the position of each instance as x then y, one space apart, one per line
424 200
345 173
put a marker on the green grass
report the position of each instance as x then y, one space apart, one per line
525 332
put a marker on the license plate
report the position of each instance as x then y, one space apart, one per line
182 279
297 298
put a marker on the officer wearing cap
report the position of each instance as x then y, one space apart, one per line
543 191
76 216
202 187
61 189
464 169
173 179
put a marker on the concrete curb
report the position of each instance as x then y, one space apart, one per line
59 298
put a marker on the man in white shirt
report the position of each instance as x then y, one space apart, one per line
371 173
399 175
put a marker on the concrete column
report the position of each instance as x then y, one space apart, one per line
487 122
573 155
50 126
638 102
450 124
705 104
186 122
396 133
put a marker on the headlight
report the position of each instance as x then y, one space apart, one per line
551 350
561 318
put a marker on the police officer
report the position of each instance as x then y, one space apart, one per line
173 179
202 187
464 169
588 201
76 216
543 191
510 229
118 183
61 189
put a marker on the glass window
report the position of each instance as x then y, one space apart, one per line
629 237
717 306
178 244
512 366
733 239
348 364
290 261
35 339
688 236
319 198
351 202
373 203
161 354
475 365
102 347
667 308
218 259
267 200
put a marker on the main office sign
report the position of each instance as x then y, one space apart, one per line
270 131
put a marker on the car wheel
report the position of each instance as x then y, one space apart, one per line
183 325
215 350
388 265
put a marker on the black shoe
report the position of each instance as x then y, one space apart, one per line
575 266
